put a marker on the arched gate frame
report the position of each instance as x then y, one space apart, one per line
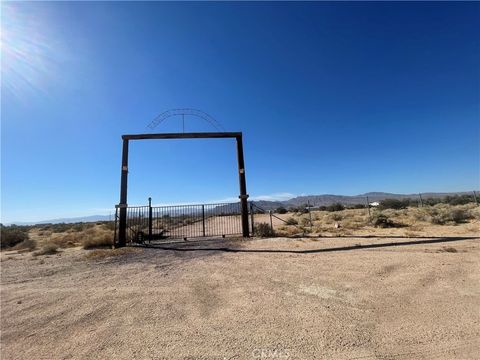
122 228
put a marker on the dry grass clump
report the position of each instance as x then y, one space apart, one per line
27 245
86 235
109 225
264 230
44 233
414 221
291 221
336 216
353 224
66 240
287 231
449 249
305 221
352 219
105 253
381 220
97 238
442 214
48 249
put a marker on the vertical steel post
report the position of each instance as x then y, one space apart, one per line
310 213
243 187
252 219
203 219
122 226
475 197
271 221
149 219
115 228
421 200
368 207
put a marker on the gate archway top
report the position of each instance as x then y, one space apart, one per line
182 112
196 135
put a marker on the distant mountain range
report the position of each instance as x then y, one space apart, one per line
313 200
92 218
327 199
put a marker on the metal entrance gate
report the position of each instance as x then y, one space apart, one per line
156 223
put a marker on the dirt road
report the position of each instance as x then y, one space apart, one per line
340 298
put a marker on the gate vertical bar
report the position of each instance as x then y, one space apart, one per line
243 186
203 219
149 219
122 226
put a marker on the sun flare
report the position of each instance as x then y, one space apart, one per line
27 52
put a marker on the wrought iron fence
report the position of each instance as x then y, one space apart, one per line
154 223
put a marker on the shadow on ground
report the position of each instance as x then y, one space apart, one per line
236 246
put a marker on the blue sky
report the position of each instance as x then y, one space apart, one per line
340 98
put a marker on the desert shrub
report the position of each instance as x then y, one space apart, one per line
382 221
94 240
437 219
305 221
336 217
27 244
67 240
456 216
12 235
450 200
394 204
59 228
281 210
420 214
304 209
322 208
431 201
459 199
442 214
357 206
335 207
291 221
459 216
78 227
264 230
305 229
48 249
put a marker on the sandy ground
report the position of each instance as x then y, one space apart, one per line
324 298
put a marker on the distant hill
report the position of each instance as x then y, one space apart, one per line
328 199
92 218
